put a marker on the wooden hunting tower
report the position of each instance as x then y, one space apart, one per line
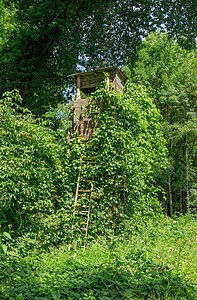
86 83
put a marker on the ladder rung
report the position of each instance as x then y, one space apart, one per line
87 165
88 179
83 197
78 211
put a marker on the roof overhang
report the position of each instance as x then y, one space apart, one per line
102 70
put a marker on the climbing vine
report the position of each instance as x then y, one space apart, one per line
128 149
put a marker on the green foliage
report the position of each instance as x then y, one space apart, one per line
127 150
43 42
137 268
170 75
4 236
32 173
6 21
39 172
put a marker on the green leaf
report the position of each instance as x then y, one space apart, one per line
7 235
4 248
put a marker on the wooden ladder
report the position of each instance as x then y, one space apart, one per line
82 204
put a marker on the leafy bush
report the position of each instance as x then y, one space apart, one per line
32 174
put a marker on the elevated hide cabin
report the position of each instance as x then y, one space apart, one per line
86 83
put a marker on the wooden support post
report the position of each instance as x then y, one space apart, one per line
107 83
78 86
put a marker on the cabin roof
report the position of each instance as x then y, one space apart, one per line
102 70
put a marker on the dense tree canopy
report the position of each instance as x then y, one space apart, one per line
170 74
44 41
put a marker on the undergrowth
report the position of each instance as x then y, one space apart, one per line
155 262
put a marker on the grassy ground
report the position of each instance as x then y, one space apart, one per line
159 262
177 247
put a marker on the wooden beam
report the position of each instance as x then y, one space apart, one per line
78 86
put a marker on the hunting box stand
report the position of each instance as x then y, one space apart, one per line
86 83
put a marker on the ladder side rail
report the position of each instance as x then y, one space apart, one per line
77 190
